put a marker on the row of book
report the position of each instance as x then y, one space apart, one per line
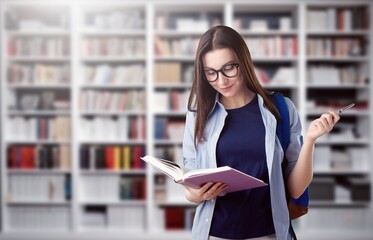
39 157
179 218
39 188
272 46
171 153
39 73
38 47
167 72
338 220
263 22
280 76
335 47
174 100
112 188
112 129
351 158
336 75
106 74
340 189
35 18
173 72
178 22
175 46
131 218
172 129
39 100
113 47
341 19
112 101
111 157
115 19
31 218
38 128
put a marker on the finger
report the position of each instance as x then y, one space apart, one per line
217 192
327 122
221 188
328 126
214 190
205 187
335 116
329 118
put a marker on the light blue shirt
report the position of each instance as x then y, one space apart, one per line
205 157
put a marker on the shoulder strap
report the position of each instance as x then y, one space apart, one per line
283 125
283 133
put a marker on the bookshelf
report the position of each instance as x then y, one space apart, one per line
273 39
110 82
337 60
36 140
112 117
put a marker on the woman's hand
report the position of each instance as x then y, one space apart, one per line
322 125
207 192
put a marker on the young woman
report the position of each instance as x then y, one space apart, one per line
231 120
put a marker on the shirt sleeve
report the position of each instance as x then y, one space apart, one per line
189 150
296 138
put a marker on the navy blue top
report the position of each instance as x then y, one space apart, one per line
243 214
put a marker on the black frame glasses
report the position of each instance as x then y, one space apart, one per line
224 70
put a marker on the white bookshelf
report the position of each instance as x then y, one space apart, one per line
36 43
356 89
106 38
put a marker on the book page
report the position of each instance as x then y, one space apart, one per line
169 168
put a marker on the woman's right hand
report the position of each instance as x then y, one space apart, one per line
207 192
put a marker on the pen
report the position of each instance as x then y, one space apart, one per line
346 108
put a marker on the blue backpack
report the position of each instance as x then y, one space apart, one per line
297 207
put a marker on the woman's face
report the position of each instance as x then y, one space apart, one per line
224 60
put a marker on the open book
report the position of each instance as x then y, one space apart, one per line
236 180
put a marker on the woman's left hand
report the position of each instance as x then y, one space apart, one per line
322 125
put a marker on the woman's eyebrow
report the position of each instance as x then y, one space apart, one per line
232 61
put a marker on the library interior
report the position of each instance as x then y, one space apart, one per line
89 87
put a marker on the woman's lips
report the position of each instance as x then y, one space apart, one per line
226 89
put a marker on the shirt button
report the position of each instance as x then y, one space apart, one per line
207 219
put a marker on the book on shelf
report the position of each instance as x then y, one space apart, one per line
235 179
341 19
112 188
39 157
111 157
167 72
43 187
115 19
38 47
35 128
113 47
272 46
50 218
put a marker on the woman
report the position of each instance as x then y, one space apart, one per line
232 121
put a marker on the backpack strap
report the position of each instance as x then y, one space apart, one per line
283 126
283 133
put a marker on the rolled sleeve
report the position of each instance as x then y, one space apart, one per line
189 151
296 138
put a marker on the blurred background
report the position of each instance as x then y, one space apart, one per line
87 87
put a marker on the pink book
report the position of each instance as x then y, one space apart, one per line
235 179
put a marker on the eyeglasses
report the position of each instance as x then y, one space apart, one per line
229 70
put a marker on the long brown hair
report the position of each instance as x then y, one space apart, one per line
202 96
